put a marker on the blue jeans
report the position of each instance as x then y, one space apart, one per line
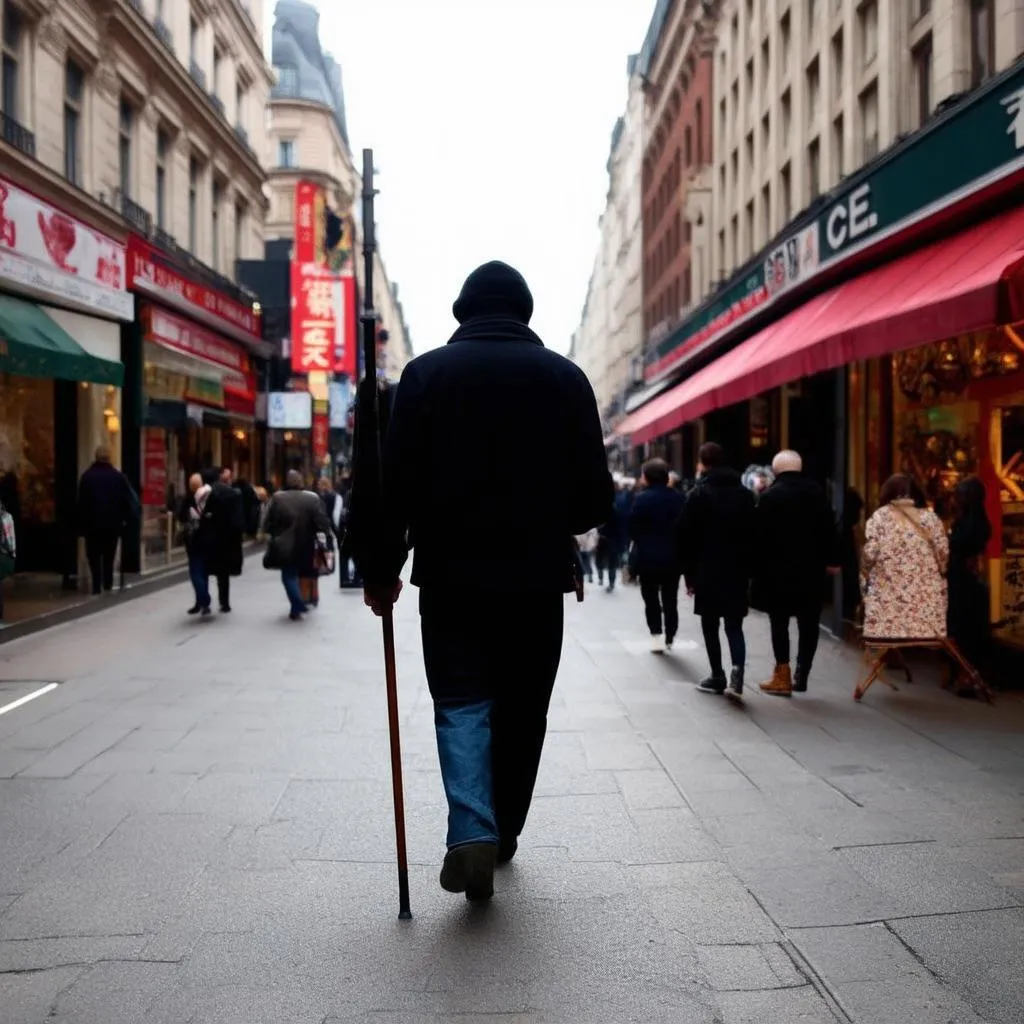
200 580
290 579
464 749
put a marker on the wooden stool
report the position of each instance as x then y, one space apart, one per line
882 649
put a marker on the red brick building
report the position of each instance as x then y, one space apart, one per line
676 63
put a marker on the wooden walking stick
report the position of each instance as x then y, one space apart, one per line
368 320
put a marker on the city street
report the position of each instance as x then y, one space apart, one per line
195 828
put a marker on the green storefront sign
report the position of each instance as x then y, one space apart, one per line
977 144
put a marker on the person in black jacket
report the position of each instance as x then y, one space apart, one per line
797 543
106 505
652 529
491 618
716 538
223 526
968 610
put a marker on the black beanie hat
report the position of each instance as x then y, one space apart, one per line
495 289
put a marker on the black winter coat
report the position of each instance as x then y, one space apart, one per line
796 540
106 501
716 544
464 419
652 529
221 530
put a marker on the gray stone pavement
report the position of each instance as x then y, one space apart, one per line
195 826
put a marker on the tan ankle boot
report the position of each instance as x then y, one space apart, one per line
781 683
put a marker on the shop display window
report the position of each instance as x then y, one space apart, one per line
1008 455
27 453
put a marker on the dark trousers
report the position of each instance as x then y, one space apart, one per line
224 590
491 662
709 625
660 591
807 620
100 550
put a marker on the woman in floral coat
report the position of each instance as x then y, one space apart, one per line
903 568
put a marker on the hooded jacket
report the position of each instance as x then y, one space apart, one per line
465 421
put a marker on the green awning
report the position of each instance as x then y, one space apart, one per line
34 345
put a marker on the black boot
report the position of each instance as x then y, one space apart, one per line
736 682
507 850
470 869
713 684
799 680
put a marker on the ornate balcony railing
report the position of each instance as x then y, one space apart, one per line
163 33
218 103
198 75
139 218
17 135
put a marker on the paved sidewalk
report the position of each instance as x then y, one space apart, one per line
195 828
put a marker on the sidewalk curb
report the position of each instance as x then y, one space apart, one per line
89 605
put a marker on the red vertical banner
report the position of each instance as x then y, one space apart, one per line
321 432
308 226
154 469
346 332
314 323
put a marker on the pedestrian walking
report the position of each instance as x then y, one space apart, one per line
903 568
796 545
491 618
586 544
190 514
969 621
106 506
8 550
295 517
716 542
613 538
652 530
224 522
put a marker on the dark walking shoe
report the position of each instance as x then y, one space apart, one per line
713 684
206 612
736 682
507 850
194 610
799 680
470 869
225 608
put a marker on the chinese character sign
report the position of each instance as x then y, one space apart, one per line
309 218
323 321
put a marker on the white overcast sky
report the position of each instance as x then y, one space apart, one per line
490 122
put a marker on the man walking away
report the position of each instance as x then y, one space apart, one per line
294 517
225 520
491 617
796 545
715 548
190 517
106 505
652 529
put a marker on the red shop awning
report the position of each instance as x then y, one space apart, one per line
964 283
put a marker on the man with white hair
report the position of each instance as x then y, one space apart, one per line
797 545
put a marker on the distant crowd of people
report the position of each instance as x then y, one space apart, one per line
768 539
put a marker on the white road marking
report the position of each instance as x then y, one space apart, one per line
30 696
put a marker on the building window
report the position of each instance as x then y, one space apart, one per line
193 40
723 120
869 121
839 146
785 40
216 198
163 146
10 100
766 65
722 265
193 204
868 18
735 239
751 242
837 65
125 134
240 105
813 92
786 184
812 17
750 153
787 117
766 137
814 168
983 40
218 67
699 129
923 79
74 98
286 153
688 146
766 211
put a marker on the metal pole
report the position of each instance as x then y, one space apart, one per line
369 322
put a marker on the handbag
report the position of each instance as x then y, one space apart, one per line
323 555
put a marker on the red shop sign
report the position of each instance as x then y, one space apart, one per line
154 469
174 332
149 272
323 321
